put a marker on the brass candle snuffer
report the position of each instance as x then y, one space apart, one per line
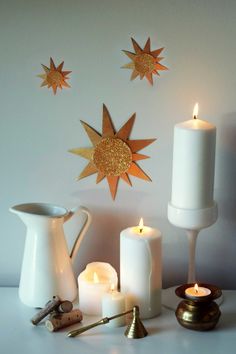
134 330
199 314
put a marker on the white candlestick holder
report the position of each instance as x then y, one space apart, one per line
193 221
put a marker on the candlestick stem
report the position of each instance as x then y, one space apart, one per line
192 240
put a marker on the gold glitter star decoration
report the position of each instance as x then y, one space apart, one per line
54 76
144 61
113 155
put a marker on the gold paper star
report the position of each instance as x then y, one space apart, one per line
113 155
144 61
54 76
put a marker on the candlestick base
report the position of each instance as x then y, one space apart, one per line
170 300
192 219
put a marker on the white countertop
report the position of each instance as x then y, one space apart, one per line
166 336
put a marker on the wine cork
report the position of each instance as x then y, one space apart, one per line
65 306
49 307
57 321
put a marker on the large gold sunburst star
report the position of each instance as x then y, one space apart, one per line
54 76
113 155
144 61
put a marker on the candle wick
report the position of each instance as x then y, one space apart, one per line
194 117
140 230
196 291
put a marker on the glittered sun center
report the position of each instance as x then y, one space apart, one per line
112 156
144 63
54 77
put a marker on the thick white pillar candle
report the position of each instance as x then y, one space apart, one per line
94 282
112 304
193 164
141 269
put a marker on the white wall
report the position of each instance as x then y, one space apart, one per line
37 128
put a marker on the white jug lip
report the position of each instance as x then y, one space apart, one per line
41 209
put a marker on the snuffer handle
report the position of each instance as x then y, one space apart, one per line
76 332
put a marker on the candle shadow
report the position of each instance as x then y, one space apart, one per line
153 330
226 167
156 330
102 240
227 320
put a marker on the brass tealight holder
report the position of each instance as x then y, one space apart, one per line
199 314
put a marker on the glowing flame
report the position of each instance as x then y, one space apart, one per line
196 288
95 278
195 111
112 287
140 225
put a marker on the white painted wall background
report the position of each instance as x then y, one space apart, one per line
38 128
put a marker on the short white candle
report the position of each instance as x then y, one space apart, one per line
113 303
93 283
141 269
193 164
196 292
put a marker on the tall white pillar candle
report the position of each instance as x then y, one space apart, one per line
141 269
193 164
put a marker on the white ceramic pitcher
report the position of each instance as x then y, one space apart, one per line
47 265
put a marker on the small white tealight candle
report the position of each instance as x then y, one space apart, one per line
93 283
196 292
113 303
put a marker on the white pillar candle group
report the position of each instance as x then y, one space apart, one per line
193 164
141 269
95 281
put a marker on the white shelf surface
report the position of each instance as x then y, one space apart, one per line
166 336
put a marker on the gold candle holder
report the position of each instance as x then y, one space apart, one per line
199 314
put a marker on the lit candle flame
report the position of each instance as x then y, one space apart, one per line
140 225
112 287
196 288
195 111
95 278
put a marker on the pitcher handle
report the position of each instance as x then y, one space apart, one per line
83 230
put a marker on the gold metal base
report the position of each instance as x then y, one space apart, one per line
136 329
200 314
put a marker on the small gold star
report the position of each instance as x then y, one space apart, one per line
54 76
144 61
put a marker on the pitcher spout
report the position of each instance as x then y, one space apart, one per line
22 214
